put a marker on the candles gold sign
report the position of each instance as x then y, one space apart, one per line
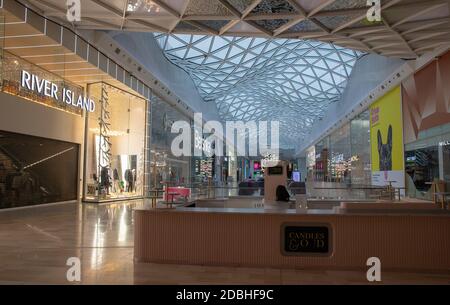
306 239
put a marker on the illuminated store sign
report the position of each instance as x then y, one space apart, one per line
202 144
47 88
270 160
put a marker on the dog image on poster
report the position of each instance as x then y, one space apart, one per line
385 150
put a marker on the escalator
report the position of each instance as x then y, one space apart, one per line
36 171
20 186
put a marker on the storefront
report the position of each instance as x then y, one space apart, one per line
41 155
344 156
360 162
233 164
256 170
427 129
41 135
115 145
203 169
165 168
73 123
427 161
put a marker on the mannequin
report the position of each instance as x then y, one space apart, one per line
129 180
105 179
116 184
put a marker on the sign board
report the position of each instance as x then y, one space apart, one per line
306 239
277 170
386 132
201 145
53 91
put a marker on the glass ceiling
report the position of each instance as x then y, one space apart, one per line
292 81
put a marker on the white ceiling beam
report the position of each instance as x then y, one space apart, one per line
288 25
247 11
53 7
100 22
108 7
424 24
231 8
301 16
320 7
203 27
320 25
167 8
341 12
260 28
420 12
400 36
297 7
429 36
150 26
228 26
432 46
271 16
363 16
209 17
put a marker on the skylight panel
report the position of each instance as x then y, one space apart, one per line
257 77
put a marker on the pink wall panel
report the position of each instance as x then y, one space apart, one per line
238 239
426 98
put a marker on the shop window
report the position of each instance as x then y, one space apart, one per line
165 168
422 167
343 156
427 162
446 164
321 166
36 170
115 145
340 154
360 160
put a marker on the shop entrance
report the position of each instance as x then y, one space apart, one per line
36 170
115 145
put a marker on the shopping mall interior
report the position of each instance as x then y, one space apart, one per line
217 142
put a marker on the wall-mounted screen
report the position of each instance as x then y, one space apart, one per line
296 176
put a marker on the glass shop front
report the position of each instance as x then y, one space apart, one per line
428 162
40 135
115 145
165 168
343 156
61 141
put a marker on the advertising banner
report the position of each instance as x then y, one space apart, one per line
386 137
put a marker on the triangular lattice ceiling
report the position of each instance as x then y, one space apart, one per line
292 81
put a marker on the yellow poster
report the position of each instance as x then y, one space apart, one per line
386 133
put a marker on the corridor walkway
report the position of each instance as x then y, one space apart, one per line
35 244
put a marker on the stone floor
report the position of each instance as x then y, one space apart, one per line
35 244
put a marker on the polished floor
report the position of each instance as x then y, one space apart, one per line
35 244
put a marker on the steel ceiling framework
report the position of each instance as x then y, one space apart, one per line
409 28
290 81
254 79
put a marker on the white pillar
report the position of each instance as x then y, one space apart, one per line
441 162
